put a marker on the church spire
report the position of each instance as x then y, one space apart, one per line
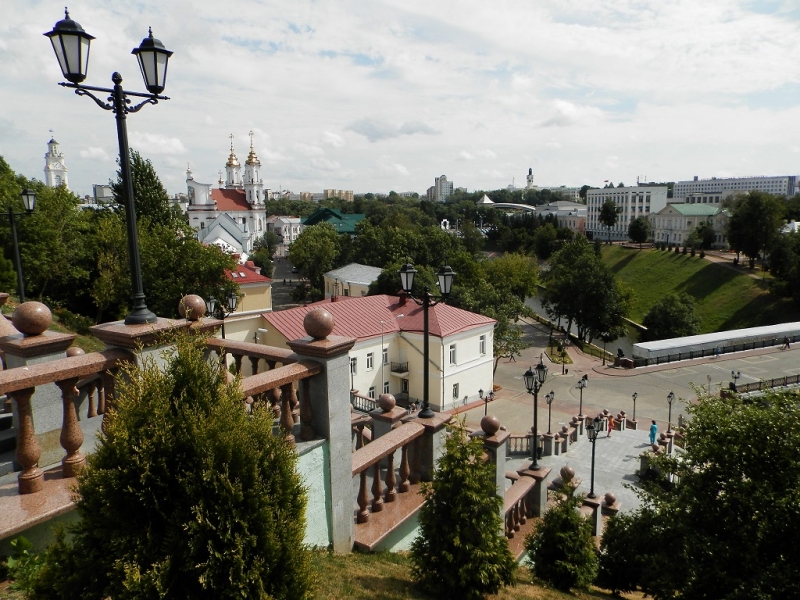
252 159
233 178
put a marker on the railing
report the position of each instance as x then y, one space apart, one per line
362 403
371 455
399 367
717 351
518 505
77 375
275 386
766 384
361 430
519 444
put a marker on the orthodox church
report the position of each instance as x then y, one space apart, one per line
55 171
232 216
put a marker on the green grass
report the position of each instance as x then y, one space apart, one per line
725 298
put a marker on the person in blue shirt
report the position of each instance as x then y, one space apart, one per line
653 432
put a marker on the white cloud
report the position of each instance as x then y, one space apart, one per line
308 149
377 129
94 153
154 143
332 139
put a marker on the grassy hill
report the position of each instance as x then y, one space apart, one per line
725 298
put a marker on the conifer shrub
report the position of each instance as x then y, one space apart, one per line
461 551
561 550
187 495
702 254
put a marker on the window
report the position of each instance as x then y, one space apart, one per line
386 356
353 366
455 391
370 361
405 386
372 392
385 387
452 354
482 344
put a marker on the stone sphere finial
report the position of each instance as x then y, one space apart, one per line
490 425
567 473
192 307
662 436
564 430
74 351
610 498
386 402
3 298
31 318
655 448
318 323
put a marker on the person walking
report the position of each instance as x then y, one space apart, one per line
610 425
653 432
785 343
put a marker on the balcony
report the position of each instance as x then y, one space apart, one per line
399 369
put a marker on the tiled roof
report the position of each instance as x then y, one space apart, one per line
696 210
355 273
229 200
342 222
360 317
246 273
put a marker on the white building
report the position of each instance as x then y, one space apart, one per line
241 201
674 223
573 194
570 215
632 202
441 189
784 185
55 171
388 353
350 280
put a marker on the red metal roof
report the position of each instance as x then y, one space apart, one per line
229 199
360 317
246 273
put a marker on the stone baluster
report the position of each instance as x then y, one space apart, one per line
71 434
363 499
237 363
306 412
377 489
90 389
28 450
405 470
294 405
254 360
287 422
416 461
360 435
391 493
101 396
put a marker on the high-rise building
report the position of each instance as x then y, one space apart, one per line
441 189
631 202
687 191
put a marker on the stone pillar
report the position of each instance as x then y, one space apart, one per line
34 345
329 393
622 419
431 444
386 416
495 441
548 444
539 492
595 515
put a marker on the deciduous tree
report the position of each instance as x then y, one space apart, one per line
670 317
639 230
755 223
608 215
315 251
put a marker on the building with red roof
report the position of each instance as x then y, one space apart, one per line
388 354
255 299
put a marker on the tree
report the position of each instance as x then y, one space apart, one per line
732 499
639 230
315 251
261 258
544 241
670 317
268 242
508 341
755 224
186 496
461 551
608 215
150 198
561 550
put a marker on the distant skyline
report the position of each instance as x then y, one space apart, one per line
386 95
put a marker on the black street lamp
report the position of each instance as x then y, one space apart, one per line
735 375
635 396
71 45
533 383
485 401
582 383
225 310
445 277
670 400
29 199
549 398
591 432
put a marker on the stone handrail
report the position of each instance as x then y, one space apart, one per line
519 444
371 455
362 403
517 505
66 373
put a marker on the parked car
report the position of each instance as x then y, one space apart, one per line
295 270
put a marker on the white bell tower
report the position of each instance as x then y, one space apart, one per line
55 171
529 184
253 185
233 177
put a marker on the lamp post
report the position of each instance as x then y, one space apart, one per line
549 397
29 199
582 383
670 400
591 432
634 396
445 277
735 375
71 46
533 383
485 401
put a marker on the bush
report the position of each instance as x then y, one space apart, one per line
561 551
23 565
77 323
691 251
702 254
460 551
187 495
677 249
684 250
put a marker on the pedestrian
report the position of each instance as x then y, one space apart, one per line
785 343
653 432
717 352
610 425
681 422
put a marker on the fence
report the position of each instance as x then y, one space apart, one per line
717 351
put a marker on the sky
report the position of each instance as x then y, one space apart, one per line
383 95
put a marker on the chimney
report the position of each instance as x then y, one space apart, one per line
403 297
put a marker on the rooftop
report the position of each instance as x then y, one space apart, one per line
355 273
228 200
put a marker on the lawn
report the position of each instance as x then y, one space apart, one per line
725 298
